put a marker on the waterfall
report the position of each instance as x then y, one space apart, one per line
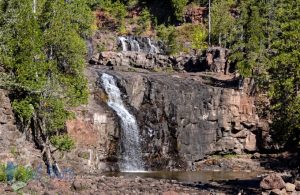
138 44
130 140
134 46
153 49
123 42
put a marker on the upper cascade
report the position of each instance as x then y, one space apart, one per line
140 44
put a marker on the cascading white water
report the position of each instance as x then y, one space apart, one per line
137 44
130 140
123 42
153 49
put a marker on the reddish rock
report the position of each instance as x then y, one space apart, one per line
272 181
195 14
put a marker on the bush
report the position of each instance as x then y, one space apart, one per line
199 36
119 12
18 173
2 173
144 22
182 38
168 36
23 174
62 142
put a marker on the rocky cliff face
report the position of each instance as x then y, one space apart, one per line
182 119
95 130
13 146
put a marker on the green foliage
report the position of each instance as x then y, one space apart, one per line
199 37
54 113
249 43
178 7
222 22
62 142
177 39
266 47
144 21
284 72
2 173
23 108
45 52
23 174
168 36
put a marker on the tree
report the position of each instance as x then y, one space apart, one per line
45 51
266 47
249 43
222 21
178 7
285 72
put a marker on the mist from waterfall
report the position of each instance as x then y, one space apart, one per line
131 154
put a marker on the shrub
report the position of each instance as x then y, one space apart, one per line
198 38
168 36
144 21
23 174
2 173
62 142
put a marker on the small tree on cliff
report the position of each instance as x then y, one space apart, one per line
222 21
45 52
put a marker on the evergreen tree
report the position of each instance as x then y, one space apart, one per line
178 8
248 49
45 50
285 72
222 21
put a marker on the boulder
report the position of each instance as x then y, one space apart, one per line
290 187
272 181
297 185
81 184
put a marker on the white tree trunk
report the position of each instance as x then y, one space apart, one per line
209 22
34 6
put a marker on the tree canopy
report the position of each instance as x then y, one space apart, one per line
42 44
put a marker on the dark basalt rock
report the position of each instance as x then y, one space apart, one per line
182 119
